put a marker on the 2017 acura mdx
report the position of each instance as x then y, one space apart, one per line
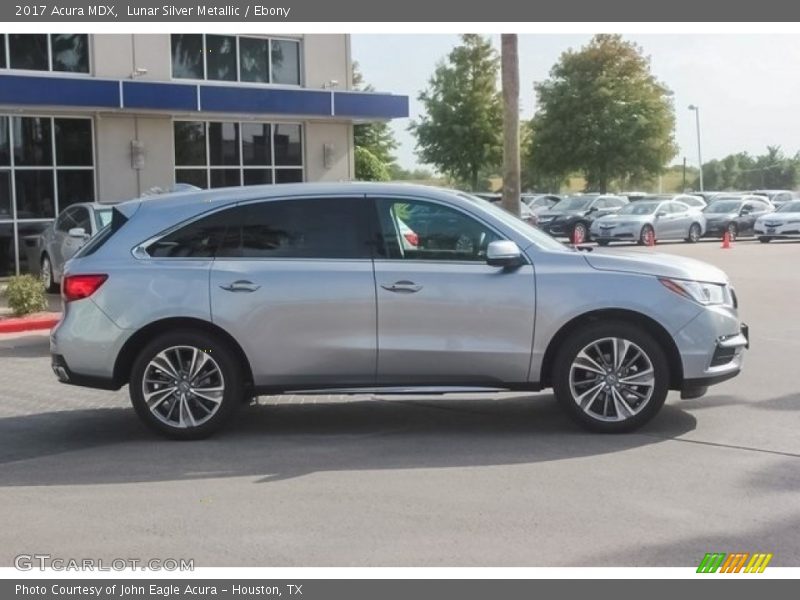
199 300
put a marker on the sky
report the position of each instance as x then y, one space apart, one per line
746 86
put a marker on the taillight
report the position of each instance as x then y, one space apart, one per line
412 238
77 287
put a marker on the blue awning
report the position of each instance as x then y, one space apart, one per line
169 97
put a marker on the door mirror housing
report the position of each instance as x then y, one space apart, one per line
78 232
661 213
744 211
504 253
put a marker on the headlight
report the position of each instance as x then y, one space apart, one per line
701 292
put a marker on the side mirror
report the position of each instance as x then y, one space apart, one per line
77 232
744 211
503 253
661 213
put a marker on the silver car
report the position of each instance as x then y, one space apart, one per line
782 224
65 236
647 220
202 300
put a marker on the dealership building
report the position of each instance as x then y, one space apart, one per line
111 117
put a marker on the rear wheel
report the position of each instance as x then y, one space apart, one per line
611 377
186 384
732 230
694 233
764 239
47 275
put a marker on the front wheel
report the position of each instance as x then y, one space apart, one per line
611 377
646 236
580 233
732 230
186 384
694 234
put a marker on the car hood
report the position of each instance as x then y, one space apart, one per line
659 265
781 217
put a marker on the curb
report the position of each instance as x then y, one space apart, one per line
17 324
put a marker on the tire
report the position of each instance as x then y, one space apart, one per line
201 416
644 235
625 410
733 231
48 280
694 233
602 242
764 239
580 229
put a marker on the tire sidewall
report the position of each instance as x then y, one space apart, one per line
224 357
643 235
584 336
693 239
47 267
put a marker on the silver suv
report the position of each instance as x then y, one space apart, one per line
200 300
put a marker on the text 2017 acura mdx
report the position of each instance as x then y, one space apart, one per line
200 300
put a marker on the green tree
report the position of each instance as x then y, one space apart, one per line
460 132
602 112
377 139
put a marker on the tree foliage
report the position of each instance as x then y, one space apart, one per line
741 171
460 132
375 140
602 112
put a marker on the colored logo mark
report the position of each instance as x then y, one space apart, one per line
738 562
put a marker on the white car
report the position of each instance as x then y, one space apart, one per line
784 223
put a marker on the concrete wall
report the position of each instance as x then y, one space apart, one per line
340 137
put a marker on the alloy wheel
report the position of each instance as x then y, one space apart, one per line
183 386
611 379
47 274
694 232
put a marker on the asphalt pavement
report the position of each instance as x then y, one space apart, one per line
503 480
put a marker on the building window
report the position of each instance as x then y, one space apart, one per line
225 153
46 164
235 58
68 53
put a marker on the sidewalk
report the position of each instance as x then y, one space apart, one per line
9 324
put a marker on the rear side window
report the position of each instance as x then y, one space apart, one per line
199 239
95 243
303 228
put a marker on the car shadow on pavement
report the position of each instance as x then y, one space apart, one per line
278 442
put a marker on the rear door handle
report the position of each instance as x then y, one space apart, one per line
402 287
241 285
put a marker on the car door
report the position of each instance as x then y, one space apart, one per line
683 219
748 214
662 222
57 244
70 245
445 317
293 283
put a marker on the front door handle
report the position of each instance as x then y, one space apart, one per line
403 287
241 285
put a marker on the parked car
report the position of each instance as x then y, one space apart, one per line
777 197
784 223
694 202
539 203
657 219
525 212
734 214
64 237
572 217
204 299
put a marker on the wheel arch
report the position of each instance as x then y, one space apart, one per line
649 324
127 355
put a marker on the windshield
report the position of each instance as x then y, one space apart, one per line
793 206
638 208
102 217
723 206
576 203
540 238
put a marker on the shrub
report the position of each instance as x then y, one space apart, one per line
25 295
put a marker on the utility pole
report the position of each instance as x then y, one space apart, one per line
696 110
509 60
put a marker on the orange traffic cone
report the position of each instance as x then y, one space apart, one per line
726 241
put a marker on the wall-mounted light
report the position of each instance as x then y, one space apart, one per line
137 155
330 85
138 72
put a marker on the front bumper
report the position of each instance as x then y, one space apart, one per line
617 233
787 231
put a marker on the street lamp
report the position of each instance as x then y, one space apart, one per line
696 110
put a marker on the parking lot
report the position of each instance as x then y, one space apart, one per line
506 480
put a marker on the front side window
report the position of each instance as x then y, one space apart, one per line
419 230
